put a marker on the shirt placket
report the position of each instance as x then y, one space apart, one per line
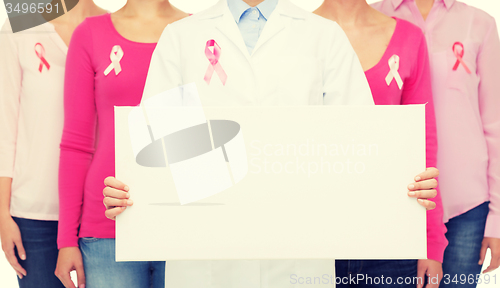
253 26
427 25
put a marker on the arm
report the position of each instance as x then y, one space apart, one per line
77 144
344 81
489 101
77 148
418 90
10 91
9 231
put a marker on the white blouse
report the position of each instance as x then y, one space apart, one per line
32 64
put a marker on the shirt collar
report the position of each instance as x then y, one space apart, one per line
447 3
238 7
267 7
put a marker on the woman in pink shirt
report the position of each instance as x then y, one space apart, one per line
464 51
393 53
31 119
108 60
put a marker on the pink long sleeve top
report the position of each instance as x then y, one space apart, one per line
464 51
31 115
410 83
103 70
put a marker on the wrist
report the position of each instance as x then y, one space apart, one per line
5 216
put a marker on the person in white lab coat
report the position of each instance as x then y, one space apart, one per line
248 53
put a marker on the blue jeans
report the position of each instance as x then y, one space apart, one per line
101 269
40 242
376 273
465 235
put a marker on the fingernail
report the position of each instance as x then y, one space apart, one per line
420 201
411 187
412 193
123 207
82 286
23 257
130 202
126 188
418 178
128 195
20 276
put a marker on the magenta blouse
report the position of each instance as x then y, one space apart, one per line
408 48
103 69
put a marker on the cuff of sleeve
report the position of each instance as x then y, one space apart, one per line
435 250
69 242
6 173
492 229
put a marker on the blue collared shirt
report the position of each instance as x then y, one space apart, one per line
251 20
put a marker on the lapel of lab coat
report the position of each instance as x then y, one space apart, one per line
226 25
277 22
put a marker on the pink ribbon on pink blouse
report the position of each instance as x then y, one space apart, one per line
40 53
115 57
394 72
458 49
213 57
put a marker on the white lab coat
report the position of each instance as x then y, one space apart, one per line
299 59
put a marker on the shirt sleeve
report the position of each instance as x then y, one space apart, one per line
10 92
344 82
77 144
418 90
489 102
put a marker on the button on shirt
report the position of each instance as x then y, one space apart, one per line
251 20
464 50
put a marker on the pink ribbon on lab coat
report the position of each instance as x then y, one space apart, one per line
213 57
458 49
40 53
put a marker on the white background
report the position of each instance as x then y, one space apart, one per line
8 277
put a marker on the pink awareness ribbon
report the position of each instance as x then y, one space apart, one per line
213 57
394 73
40 53
115 57
458 49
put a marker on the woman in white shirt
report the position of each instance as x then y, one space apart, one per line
31 120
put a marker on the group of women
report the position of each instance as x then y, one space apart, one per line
50 188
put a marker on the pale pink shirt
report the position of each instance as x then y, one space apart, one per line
31 118
467 104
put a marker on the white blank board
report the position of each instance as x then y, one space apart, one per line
323 182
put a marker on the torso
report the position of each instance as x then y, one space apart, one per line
460 97
112 89
38 94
